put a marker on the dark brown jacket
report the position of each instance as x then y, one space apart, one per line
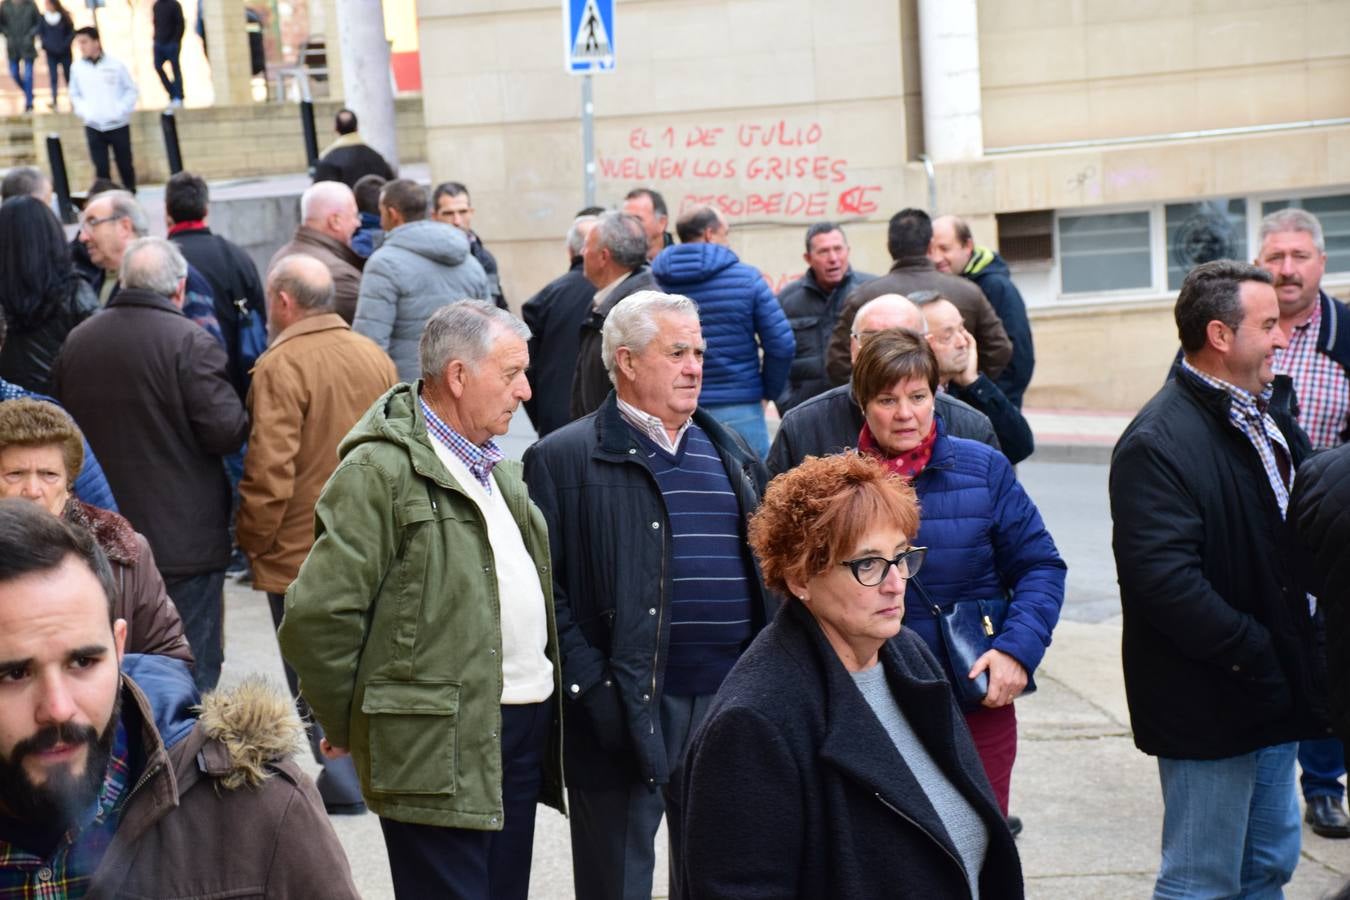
343 263
310 387
590 383
153 623
150 391
220 808
906 277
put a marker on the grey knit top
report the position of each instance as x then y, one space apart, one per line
963 823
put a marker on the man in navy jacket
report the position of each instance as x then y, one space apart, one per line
740 318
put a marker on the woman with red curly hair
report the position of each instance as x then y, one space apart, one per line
834 761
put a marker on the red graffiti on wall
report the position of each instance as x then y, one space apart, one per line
738 169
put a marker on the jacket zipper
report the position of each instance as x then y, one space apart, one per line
660 617
928 834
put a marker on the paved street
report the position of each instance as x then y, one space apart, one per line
1089 799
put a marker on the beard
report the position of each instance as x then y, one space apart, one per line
66 796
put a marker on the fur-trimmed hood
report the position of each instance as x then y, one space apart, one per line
113 533
256 723
245 729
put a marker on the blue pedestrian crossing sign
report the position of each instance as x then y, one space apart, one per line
588 33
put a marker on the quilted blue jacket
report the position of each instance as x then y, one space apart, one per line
734 305
985 540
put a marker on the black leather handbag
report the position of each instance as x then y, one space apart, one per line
968 628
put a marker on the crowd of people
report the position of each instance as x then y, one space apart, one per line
803 650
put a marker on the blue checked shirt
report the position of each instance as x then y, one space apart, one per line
1248 414
480 460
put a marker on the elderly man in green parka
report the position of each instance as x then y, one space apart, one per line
421 624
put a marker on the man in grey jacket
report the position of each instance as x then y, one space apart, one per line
421 266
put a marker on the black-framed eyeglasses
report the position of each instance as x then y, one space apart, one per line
871 571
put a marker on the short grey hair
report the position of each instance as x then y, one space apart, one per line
305 279
124 206
576 235
1293 220
623 236
153 264
464 330
632 323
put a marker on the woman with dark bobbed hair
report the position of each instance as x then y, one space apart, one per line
834 761
41 297
993 585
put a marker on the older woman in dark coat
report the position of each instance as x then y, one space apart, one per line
834 761
41 451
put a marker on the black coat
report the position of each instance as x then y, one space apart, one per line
235 288
811 799
1217 644
812 313
555 315
347 164
1015 438
168 21
609 537
591 384
830 422
149 389
1319 510
29 351
988 270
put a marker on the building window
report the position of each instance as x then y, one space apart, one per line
1202 232
1334 214
1105 252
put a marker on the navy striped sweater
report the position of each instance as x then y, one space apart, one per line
710 607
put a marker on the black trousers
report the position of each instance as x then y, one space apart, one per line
119 139
463 864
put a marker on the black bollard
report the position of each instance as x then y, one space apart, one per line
311 136
60 179
169 124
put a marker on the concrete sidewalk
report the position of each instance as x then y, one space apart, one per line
1089 799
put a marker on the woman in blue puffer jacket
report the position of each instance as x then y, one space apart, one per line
985 538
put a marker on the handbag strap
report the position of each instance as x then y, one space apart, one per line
936 610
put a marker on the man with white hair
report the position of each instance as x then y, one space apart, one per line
959 377
151 393
831 422
421 623
328 219
646 501
1317 360
555 316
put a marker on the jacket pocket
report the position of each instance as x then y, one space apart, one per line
413 736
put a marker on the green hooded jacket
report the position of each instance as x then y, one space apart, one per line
394 624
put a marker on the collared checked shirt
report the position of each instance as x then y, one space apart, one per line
1248 414
653 428
66 872
1321 385
479 459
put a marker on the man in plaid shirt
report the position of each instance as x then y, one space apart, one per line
113 780
1317 325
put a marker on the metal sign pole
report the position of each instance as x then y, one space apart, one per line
588 141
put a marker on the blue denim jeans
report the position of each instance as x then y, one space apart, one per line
168 53
1230 826
24 79
201 602
747 420
1323 764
